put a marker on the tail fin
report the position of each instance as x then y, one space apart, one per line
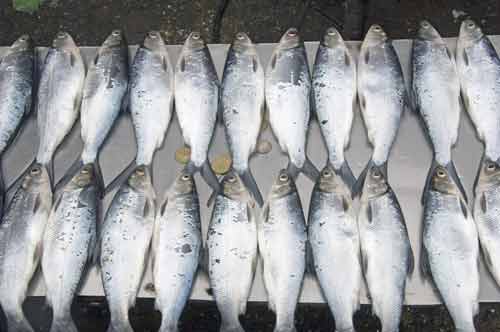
249 182
452 171
231 327
120 327
358 185
18 323
207 173
121 177
63 324
167 325
308 169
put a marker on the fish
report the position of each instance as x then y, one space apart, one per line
387 257
232 242
242 105
282 238
288 100
450 249
21 235
196 96
103 93
334 82
59 96
69 243
151 90
176 249
124 243
334 239
436 97
382 96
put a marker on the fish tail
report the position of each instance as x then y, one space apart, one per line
17 322
120 326
357 188
63 324
121 177
248 180
168 325
452 171
207 173
231 326
308 169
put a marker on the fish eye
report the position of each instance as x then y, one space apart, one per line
327 173
231 178
331 32
471 25
283 177
140 171
35 170
292 32
425 25
196 35
85 170
490 167
240 36
23 38
116 32
376 174
61 34
185 177
377 28
441 173
152 34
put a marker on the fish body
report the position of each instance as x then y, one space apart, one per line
288 94
451 249
59 95
68 244
21 234
125 239
282 238
104 88
334 238
196 103
381 91
242 103
176 249
151 96
232 242
334 89
386 252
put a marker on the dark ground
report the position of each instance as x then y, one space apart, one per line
90 21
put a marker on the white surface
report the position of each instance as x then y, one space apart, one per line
408 165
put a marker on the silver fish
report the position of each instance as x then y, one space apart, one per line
124 245
59 95
450 252
69 243
151 96
242 103
176 249
288 89
282 237
16 85
196 103
436 95
232 242
21 233
334 239
386 252
334 91
381 94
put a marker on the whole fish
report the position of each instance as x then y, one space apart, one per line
176 249
21 234
59 96
125 239
69 243
334 91
232 251
450 251
104 88
436 95
196 103
386 252
242 102
282 237
16 85
381 94
288 94
334 239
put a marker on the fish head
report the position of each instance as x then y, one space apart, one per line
115 40
243 44
332 38
489 175
154 42
233 187
290 39
470 33
375 184
441 181
36 176
184 184
427 32
330 181
283 186
375 36
22 44
85 177
63 41
194 42
140 179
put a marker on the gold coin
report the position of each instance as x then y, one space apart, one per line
264 146
182 155
221 164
